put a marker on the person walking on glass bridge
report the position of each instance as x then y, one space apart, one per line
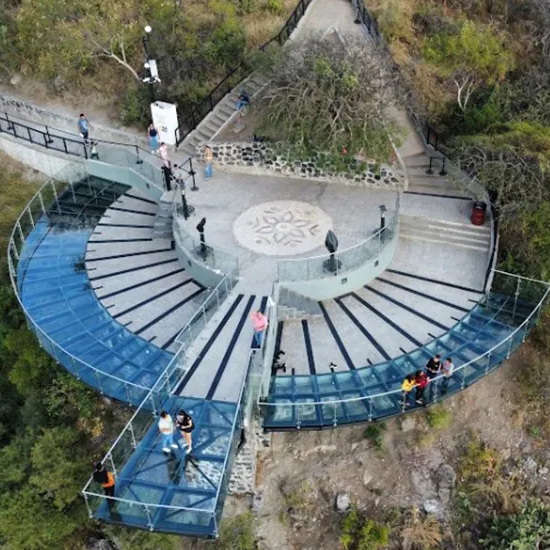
83 126
259 323
166 427
185 424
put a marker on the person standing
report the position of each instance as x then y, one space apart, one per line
107 481
407 387
208 159
185 424
420 381
433 367
166 427
163 152
259 323
153 138
447 369
83 127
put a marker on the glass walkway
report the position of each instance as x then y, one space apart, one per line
62 309
478 343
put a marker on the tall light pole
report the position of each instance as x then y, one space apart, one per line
150 65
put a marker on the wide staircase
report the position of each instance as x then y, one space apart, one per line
347 366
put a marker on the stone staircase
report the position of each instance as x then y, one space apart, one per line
162 227
223 112
293 305
421 182
446 232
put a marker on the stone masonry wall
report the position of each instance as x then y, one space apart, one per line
261 158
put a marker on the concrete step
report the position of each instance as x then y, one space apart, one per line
442 231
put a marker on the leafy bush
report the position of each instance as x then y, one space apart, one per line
359 533
237 533
375 434
439 417
478 463
526 530
275 6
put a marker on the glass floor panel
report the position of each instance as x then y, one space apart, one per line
56 292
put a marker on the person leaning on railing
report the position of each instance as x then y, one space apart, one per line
106 479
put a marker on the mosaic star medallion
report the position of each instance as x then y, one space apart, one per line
282 228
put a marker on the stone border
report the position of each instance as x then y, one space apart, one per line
262 159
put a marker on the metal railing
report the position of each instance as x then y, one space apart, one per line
44 201
199 111
303 409
142 421
214 258
342 261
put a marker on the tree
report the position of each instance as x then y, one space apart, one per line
474 55
324 97
27 522
59 466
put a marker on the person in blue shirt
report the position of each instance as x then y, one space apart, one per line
83 127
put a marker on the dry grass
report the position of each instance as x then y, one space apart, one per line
262 25
421 532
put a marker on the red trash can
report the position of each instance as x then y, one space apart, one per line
478 213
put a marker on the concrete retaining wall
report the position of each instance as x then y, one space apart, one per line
262 159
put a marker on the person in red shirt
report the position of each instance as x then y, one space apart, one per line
421 381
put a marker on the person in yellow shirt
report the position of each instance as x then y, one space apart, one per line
407 387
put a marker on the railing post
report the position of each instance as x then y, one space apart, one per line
443 172
488 365
88 505
463 383
30 216
14 248
65 146
298 418
509 352
371 409
516 296
29 134
41 202
139 160
334 417
148 514
49 139
98 381
430 171
10 127
127 393
20 231
113 467
134 442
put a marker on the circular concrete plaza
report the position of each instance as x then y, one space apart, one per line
282 228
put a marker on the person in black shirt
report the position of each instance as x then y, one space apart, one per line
433 367
185 425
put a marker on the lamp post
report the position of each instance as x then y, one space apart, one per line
150 65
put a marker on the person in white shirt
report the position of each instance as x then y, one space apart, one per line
166 427
447 369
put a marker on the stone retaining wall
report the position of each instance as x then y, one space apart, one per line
262 159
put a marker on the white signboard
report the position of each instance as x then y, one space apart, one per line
165 119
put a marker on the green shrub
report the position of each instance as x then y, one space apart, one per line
275 6
237 533
375 434
359 533
438 417
524 531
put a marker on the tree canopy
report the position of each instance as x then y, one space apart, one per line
324 97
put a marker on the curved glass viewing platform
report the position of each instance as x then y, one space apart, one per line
47 266
479 342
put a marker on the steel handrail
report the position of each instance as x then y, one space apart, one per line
13 277
398 391
344 250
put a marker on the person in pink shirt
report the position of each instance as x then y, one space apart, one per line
259 323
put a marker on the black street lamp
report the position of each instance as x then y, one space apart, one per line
151 72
